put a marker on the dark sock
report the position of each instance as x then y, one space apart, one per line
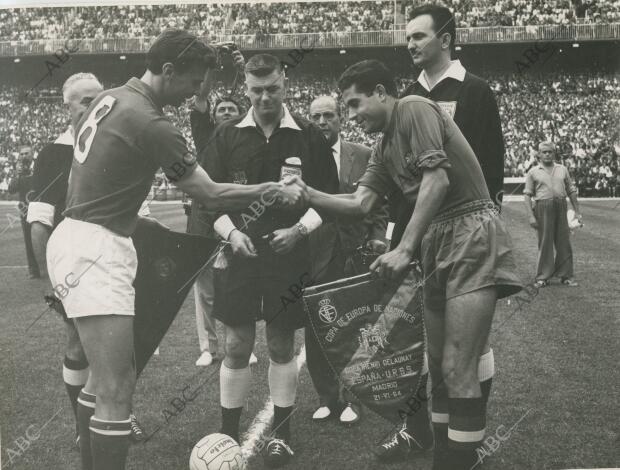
440 419
281 422
85 409
109 443
465 432
230 422
74 374
485 388
418 419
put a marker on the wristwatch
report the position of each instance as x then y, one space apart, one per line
302 229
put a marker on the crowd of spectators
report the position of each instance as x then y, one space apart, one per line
577 112
282 18
478 13
138 21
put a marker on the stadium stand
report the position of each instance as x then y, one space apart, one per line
137 21
575 111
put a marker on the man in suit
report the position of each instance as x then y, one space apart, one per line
334 249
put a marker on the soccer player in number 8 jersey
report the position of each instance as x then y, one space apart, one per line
121 141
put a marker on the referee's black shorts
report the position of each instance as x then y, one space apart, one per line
263 288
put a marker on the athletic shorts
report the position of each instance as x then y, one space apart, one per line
267 287
92 269
465 249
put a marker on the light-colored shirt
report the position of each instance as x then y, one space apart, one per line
336 151
543 184
455 70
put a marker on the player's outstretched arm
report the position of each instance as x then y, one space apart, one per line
223 197
357 204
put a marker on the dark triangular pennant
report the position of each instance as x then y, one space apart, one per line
168 263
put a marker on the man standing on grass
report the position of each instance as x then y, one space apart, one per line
335 253
548 184
465 248
270 247
120 142
50 181
22 184
469 101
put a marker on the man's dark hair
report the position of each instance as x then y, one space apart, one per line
366 75
227 100
261 65
180 48
443 20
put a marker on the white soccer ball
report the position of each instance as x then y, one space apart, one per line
216 452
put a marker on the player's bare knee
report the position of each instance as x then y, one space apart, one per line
116 392
237 354
281 347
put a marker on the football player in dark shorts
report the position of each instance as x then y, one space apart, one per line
465 248
121 141
270 247
431 37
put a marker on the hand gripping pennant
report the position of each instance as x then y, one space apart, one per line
372 334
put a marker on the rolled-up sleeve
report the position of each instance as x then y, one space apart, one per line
529 184
421 123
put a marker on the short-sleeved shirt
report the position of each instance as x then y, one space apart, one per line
542 184
469 100
121 141
421 136
240 153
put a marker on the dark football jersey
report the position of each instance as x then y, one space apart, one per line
121 141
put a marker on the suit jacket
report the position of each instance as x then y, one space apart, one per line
346 237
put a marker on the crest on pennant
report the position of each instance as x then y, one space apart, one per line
327 312
372 338
239 177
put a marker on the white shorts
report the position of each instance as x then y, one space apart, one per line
92 269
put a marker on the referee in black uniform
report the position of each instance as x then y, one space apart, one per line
468 99
270 247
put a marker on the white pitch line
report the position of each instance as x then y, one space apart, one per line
13 267
262 422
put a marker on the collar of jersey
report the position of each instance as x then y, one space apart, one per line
456 71
145 90
286 121
66 138
542 167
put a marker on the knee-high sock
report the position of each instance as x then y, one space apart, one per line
440 418
465 431
234 389
85 409
486 371
283 389
75 375
418 420
109 443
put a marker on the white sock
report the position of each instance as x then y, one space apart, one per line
234 386
283 383
486 366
